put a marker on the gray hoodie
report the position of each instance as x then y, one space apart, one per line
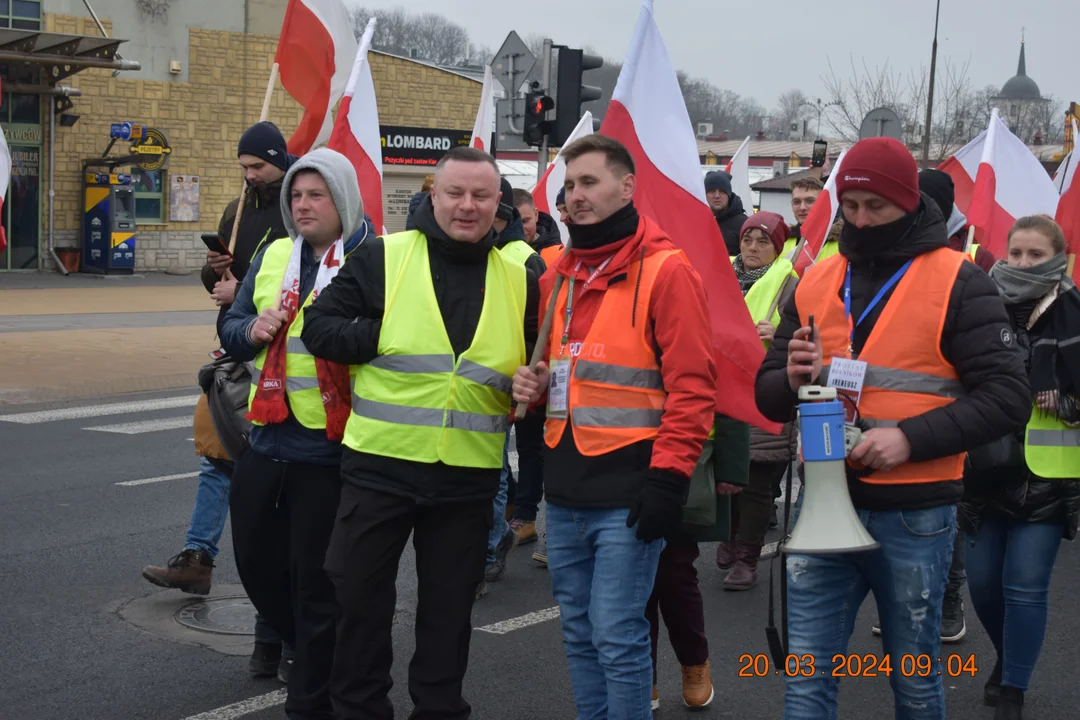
340 177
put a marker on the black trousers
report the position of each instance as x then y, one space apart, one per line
529 438
751 507
451 545
282 516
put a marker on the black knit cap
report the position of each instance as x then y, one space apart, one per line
506 202
939 186
265 141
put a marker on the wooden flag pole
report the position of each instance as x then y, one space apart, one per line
776 300
243 192
545 330
970 239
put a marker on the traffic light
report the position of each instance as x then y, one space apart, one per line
571 92
537 105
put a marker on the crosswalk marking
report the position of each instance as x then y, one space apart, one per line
145 426
92 411
163 478
244 707
518 623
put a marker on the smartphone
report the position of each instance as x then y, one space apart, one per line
214 243
811 328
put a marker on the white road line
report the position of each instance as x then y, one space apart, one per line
91 411
163 478
244 707
519 623
146 426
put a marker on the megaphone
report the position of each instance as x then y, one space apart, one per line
828 523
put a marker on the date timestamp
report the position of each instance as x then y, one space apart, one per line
855 665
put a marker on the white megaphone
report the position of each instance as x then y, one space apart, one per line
828 523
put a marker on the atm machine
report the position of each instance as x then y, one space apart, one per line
108 224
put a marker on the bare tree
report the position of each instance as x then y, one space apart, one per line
957 113
792 106
851 98
429 36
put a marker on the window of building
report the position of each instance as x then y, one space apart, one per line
149 195
20 14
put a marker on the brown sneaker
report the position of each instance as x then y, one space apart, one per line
524 529
655 698
697 688
190 572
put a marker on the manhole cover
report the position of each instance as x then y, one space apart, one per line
234 615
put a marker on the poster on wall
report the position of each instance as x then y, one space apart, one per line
184 198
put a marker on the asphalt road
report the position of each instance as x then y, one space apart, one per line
72 543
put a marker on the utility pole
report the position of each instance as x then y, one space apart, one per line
545 81
930 92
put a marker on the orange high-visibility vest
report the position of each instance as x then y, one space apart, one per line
906 374
551 253
616 394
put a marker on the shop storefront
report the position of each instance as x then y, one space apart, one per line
409 154
20 118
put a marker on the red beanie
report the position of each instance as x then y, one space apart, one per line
771 224
884 167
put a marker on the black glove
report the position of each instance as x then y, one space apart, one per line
658 512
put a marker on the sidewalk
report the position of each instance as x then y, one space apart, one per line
45 364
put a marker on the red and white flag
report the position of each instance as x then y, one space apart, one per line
1068 210
314 55
356 131
485 114
5 180
820 220
962 168
547 190
648 115
739 170
1010 183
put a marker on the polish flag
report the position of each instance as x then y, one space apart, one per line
5 179
314 55
1009 184
1068 210
356 131
485 114
647 114
962 168
822 215
547 190
739 170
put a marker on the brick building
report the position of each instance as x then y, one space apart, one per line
204 69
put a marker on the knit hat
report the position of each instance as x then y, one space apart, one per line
772 224
560 199
939 186
718 180
882 166
505 211
264 140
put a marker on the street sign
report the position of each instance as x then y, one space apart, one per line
881 122
512 64
126 131
154 147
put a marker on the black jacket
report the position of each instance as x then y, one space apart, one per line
547 232
261 221
731 221
343 326
974 340
414 202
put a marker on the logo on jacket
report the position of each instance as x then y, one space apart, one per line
271 384
855 178
1006 337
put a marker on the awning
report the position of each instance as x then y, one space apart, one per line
60 55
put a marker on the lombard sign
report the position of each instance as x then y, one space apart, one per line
419 146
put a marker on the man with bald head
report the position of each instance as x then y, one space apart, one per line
435 322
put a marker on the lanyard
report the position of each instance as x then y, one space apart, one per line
873 303
570 298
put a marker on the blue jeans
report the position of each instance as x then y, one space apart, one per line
500 527
1009 566
907 575
211 510
602 577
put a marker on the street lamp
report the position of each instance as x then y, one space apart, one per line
820 107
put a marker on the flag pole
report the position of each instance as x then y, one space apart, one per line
545 330
776 300
970 239
244 190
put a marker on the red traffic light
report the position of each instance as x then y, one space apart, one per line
542 104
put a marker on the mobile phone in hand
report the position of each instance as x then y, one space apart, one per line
214 243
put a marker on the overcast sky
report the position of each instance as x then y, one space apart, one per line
765 47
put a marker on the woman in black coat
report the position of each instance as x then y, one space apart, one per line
1023 492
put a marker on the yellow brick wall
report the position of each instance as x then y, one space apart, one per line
205 117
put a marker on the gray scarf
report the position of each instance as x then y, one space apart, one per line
1018 285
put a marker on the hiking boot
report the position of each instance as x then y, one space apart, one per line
494 571
697 687
284 666
524 529
1010 704
725 555
992 689
190 572
655 698
539 555
953 628
264 660
743 574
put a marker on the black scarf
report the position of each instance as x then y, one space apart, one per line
880 243
618 226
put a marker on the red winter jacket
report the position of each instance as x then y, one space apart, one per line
679 329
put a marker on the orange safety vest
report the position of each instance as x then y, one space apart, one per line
616 395
551 253
906 374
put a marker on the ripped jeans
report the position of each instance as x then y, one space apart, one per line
907 575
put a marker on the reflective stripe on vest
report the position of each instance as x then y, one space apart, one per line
616 394
517 251
906 374
301 379
1051 448
414 401
761 295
